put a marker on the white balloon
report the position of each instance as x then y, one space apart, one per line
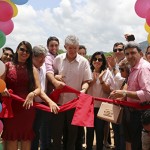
2 68
1 52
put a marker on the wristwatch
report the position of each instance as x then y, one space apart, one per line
124 93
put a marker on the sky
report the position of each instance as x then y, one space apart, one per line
97 23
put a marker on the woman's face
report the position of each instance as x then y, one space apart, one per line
97 61
123 71
23 53
148 55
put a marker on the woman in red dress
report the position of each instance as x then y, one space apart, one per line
22 78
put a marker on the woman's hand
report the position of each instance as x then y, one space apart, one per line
29 100
53 107
101 76
5 93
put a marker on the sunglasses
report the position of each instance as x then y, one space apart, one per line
121 69
146 131
99 59
147 53
24 50
117 49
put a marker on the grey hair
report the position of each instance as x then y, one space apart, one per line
71 40
38 50
133 45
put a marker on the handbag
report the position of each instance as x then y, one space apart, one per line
110 112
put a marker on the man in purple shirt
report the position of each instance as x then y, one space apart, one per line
138 90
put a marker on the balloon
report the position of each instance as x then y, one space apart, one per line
2 66
6 11
19 2
7 26
14 7
148 17
1 126
0 107
2 39
147 27
141 7
2 85
148 38
1 146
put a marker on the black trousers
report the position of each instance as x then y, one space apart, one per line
62 123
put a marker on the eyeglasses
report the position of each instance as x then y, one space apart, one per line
146 131
147 53
24 50
117 49
99 59
121 69
10 55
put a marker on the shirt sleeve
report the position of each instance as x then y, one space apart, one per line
144 84
87 72
49 64
118 79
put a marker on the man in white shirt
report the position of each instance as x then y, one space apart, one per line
73 70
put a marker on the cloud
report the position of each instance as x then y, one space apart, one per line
98 24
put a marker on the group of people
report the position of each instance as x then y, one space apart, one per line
33 73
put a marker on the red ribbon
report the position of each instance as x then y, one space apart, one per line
84 109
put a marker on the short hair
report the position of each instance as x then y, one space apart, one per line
52 38
133 45
82 47
8 48
118 43
145 117
71 40
38 50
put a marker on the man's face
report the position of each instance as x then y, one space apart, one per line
147 129
53 47
38 61
133 56
71 50
118 51
82 52
7 56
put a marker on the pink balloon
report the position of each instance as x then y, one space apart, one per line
148 17
1 126
6 11
141 7
7 26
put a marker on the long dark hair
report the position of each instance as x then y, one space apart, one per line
28 63
104 63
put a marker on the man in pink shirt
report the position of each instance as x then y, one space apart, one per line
138 90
